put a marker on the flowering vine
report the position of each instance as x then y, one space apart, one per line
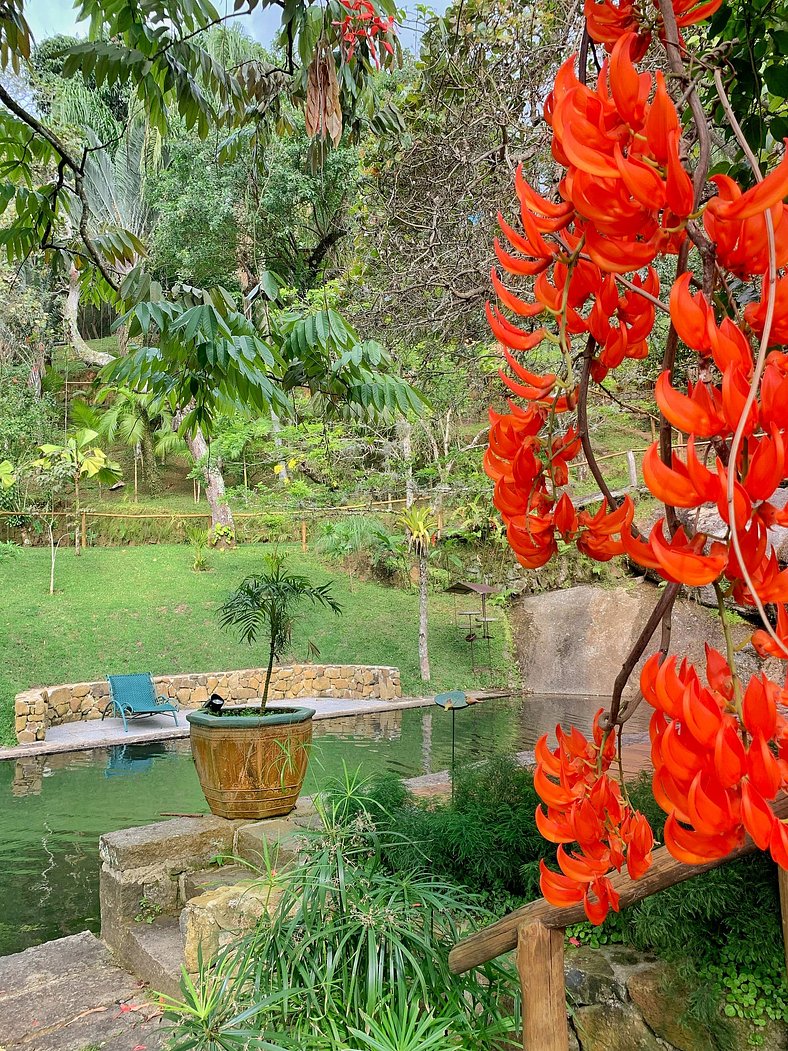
627 198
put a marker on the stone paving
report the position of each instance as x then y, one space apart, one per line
97 733
69 995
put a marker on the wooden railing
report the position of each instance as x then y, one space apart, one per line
536 931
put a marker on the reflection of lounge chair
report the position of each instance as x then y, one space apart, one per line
121 762
133 696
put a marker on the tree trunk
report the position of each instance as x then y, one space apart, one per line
276 427
150 469
221 515
122 332
269 670
52 553
406 433
71 317
77 548
424 658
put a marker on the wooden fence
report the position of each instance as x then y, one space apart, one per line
537 932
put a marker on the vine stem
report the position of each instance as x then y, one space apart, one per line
771 295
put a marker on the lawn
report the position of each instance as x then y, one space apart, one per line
143 609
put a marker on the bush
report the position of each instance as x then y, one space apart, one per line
486 839
353 955
363 544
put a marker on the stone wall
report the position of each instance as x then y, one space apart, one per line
623 1000
35 710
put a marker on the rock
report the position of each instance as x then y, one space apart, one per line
199 695
661 1000
59 694
181 843
214 919
82 689
574 641
613 1027
771 1037
121 894
274 842
26 737
590 978
183 694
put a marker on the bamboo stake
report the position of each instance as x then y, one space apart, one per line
303 535
540 962
782 882
84 529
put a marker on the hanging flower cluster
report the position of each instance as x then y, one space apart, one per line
608 20
363 23
586 806
626 199
720 757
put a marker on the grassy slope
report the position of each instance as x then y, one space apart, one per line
143 609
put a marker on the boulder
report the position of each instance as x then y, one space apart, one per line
216 918
180 843
661 1000
574 641
613 1027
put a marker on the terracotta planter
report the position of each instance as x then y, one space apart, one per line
251 766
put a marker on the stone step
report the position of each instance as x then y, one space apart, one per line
154 952
69 995
195 883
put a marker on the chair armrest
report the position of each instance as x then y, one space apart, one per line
161 699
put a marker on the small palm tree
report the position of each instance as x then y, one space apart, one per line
266 603
419 526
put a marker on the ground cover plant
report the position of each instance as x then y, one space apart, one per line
144 608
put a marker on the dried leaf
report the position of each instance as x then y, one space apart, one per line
323 112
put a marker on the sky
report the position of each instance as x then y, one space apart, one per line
47 17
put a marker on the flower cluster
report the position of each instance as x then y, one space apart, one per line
720 758
363 23
608 20
586 806
625 200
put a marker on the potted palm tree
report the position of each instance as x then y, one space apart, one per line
252 760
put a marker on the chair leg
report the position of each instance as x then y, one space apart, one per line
123 717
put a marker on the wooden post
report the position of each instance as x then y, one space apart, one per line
540 961
633 470
782 881
84 529
303 535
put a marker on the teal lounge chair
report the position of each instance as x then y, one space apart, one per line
134 696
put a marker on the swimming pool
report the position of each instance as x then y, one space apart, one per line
54 808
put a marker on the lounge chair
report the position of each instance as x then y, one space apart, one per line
134 696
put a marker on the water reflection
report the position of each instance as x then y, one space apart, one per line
54 808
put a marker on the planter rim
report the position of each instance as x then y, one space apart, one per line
273 716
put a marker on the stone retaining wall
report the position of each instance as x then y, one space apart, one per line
36 710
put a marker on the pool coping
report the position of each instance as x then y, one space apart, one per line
70 739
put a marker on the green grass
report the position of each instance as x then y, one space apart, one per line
144 609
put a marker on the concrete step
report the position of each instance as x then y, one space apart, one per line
154 952
195 883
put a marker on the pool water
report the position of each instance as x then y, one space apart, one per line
54 808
